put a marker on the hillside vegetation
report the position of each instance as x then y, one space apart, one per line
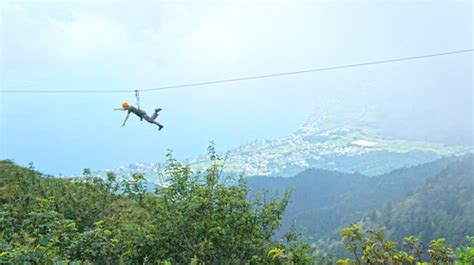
196 218
202 218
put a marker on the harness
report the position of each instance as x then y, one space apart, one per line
137 95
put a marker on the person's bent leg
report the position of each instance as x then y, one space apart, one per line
153 117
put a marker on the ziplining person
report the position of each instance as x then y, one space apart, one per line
140 113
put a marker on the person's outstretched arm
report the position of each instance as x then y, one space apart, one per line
119 109
126 118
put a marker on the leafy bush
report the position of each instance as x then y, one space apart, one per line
195 217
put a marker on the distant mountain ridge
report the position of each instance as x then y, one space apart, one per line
344 140
324 200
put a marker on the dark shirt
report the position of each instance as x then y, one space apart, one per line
136 111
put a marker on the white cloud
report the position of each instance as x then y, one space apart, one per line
226 37
85 36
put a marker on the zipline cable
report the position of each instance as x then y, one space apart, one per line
309 71
248 77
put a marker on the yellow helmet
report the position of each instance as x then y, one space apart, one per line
125 104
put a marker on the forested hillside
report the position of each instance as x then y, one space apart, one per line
443 207
324 200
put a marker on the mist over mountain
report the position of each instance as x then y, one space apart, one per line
344 138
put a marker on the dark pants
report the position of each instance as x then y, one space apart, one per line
152 119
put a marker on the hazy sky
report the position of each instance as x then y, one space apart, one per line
91 45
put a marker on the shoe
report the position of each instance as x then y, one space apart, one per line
158 110
161 127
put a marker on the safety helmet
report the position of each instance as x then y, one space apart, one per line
125 104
